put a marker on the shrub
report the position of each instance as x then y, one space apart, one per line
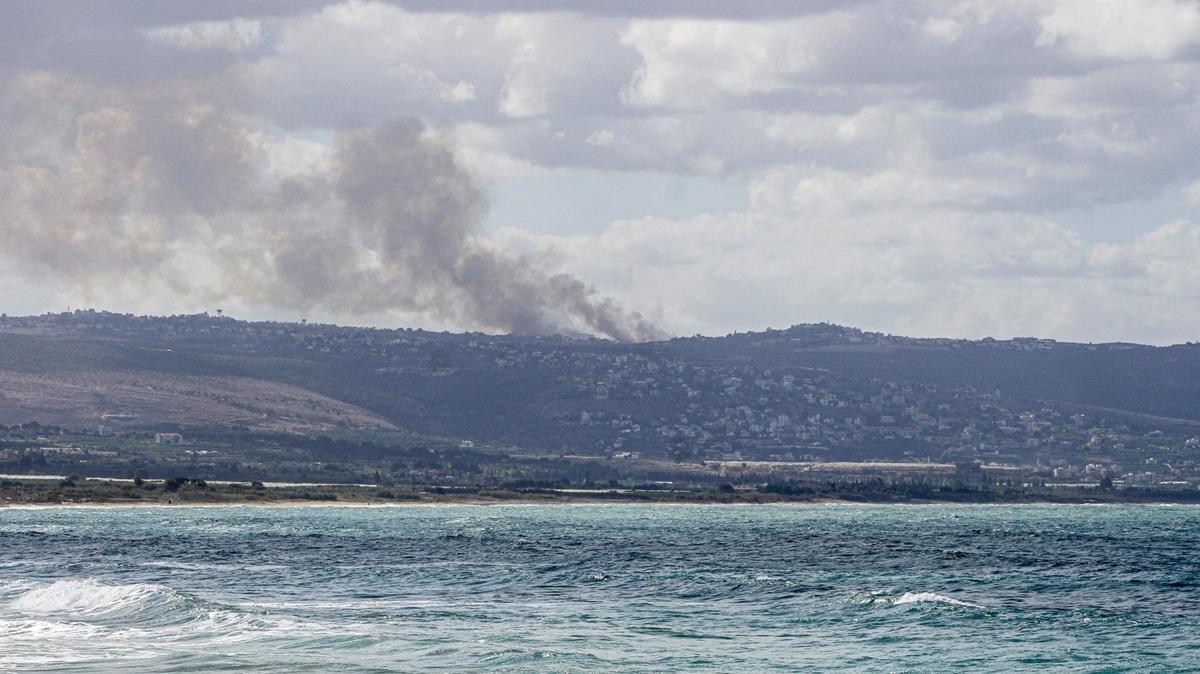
174 483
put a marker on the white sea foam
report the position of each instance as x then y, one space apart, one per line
39 644
133 620
90 597
886 598
929 598
768 578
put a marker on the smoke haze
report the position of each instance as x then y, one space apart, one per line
175 186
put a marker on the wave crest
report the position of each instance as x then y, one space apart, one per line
91 597
930 598
887 598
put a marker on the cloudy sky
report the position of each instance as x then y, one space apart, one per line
962 168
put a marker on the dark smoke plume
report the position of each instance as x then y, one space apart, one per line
170 189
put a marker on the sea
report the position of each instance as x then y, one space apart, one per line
601 588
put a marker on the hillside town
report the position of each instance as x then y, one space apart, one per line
740 399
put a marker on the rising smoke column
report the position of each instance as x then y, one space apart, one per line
169 188
420 210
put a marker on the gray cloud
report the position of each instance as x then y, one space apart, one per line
143 14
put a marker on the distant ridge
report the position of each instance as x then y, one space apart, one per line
810 332
817 389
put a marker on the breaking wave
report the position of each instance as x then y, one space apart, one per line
930 598
141 605
886 598
92 598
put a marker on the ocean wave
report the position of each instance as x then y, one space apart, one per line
139 606
930 598
768 578
40 644
885 598
78 619
90 597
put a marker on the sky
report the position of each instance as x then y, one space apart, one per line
627 169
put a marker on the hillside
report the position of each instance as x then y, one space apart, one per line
111 398
812 390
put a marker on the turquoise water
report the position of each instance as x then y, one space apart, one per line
566 588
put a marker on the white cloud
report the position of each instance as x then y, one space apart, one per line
930 273
695 63
943 28
234 35
290 155
560 63
1120 29
430 87
600 138
362 62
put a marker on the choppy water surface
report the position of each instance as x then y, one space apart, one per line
601 588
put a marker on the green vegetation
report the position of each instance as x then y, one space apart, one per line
185 491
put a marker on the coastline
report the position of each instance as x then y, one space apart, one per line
531 501
35 491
